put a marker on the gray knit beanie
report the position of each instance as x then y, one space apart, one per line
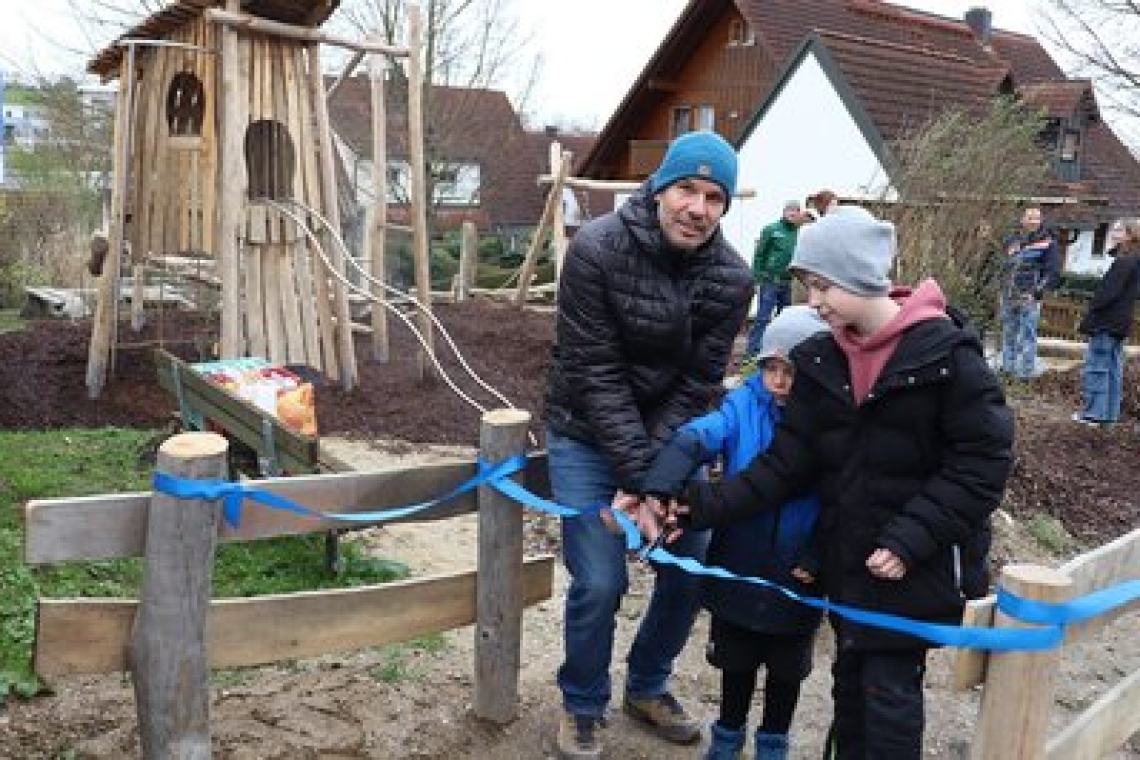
850 248
791 327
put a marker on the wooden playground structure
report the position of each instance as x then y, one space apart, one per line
223 153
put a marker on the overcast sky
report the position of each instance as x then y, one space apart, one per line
593 50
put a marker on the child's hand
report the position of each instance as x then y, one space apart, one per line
883 563
802 575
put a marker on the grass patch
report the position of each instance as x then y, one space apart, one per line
1050 533
10 320
37 465
398 661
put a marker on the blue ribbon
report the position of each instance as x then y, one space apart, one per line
1072 611
1051 617
233 494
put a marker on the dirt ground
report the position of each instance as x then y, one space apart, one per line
416 704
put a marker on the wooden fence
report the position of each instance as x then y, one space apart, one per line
1060 318
173 635
1017 687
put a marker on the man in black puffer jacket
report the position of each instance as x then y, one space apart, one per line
650 300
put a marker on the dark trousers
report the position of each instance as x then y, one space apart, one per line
878 705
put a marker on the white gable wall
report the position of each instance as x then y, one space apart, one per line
805 142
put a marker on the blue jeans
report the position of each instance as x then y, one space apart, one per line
1102 379
771 299
1019 320
581 477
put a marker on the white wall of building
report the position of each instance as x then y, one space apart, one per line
805 142
1082 259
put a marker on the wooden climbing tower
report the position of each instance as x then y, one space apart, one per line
222 148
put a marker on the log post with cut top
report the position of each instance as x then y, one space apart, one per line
499 592
168 657
1014 719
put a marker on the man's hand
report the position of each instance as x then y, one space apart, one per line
883 563
622 502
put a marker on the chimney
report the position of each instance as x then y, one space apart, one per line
981 23
551 130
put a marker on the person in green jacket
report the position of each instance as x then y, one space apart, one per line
770 269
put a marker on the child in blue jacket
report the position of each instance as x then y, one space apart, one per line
753 625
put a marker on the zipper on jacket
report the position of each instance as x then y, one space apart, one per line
956 558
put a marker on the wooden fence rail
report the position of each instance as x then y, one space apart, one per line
1018 686
172 636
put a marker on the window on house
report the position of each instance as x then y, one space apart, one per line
1047 137
682 121
739 34
1070 145
706 117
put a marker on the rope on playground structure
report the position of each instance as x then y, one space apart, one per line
400 297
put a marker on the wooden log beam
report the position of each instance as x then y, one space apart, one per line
258 25
1104 727
107 527
168 641
498 631
553 202
421 242
376 230
1107 565
617 185
76 636
1014 718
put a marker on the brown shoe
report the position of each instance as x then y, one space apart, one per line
665 716
578 737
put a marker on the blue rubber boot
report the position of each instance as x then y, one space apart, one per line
771 746
725 743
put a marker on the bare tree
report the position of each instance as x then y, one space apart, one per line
57 177
1097 39
468 43
957 182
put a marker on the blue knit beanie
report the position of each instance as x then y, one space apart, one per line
702 154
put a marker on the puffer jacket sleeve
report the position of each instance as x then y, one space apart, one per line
592 361
977 430
704 369
786 469
698 442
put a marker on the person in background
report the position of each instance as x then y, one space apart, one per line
1032 268
1107 323
823 202
650 300
902 428
753 625
770 270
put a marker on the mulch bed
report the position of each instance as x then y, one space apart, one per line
1087 478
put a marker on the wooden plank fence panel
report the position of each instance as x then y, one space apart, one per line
106 527
1103 727
90 635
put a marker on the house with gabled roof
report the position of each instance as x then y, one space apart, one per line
812 92
485 164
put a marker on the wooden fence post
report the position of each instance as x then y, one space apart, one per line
468 261
168 644
499 591
1018 692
